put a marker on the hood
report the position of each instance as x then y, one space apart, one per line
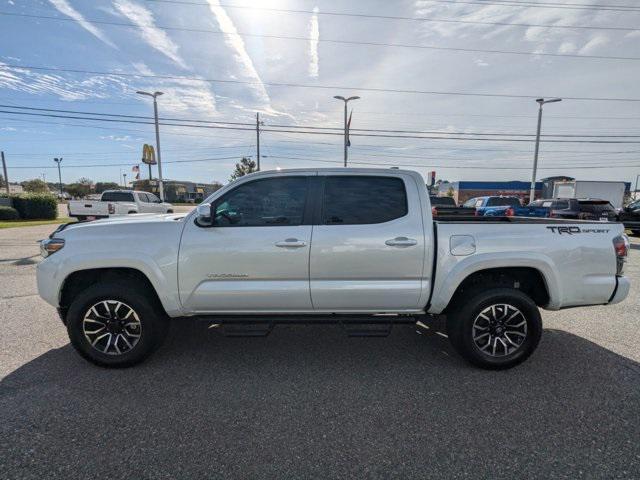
124 220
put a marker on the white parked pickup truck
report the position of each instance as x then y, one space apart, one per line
117 202
355 246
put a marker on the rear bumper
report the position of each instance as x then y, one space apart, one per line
621 291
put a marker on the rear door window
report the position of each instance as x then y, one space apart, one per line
355 200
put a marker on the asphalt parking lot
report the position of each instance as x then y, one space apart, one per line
310 402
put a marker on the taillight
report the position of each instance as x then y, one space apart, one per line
434 212
112 209
552 215
509 212
621 247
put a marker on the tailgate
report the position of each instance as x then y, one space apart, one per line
88 207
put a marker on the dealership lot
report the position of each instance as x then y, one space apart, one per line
308 401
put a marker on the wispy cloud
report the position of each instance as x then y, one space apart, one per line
65 7
28 81
235 42
314 37
182 96
151 34
594 43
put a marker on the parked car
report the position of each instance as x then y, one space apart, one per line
493 206
446 206
630 217
354 246
118 202
578 208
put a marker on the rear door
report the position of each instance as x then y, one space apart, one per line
368 248
255 258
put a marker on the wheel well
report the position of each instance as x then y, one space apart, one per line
526 279
82 279
131 211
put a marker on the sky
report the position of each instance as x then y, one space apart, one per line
225 60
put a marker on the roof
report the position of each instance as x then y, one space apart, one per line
512 185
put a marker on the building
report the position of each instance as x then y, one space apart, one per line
463 191
176 191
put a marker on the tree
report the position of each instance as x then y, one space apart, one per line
102 186
80 189
1 180
245 167
35 186
215 186
450 192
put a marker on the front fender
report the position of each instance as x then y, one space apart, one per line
459 268
162 279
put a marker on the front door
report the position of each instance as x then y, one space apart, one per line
255 257
368 249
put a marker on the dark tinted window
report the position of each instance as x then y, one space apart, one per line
443 202
117 197
268 202
596 207
502 201
143 197
561 205
363 200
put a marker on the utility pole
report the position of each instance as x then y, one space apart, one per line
541 102
155 95
124 177
346 127
258 123
59 161
4 169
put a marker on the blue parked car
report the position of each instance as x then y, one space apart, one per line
494 206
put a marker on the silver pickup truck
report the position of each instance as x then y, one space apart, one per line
117 202
355 246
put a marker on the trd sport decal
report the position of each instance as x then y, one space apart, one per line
574 230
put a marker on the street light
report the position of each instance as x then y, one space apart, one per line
541 102
59 161
346 131
154 95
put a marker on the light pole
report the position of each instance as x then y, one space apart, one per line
541 102
124 177
346 130
59 161
154 95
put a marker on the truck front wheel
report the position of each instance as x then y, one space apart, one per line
495 328
115 324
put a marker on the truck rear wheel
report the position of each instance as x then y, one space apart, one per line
495 328
115 324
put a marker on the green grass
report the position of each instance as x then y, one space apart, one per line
32 223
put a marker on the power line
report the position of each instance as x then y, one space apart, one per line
513 4
129 164
430 165
302 85
381 135
329 40
310 127
564 6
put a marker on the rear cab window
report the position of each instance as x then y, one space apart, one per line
358 200
117 197
503 202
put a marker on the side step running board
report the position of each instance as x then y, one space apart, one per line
361 329
247 329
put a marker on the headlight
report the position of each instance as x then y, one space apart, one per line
51 246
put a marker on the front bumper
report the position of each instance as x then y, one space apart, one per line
48 283
621 291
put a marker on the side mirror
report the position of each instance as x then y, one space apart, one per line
204 215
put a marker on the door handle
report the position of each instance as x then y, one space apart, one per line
291 243
401 242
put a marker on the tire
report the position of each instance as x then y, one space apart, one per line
169 211
469 327
142 333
